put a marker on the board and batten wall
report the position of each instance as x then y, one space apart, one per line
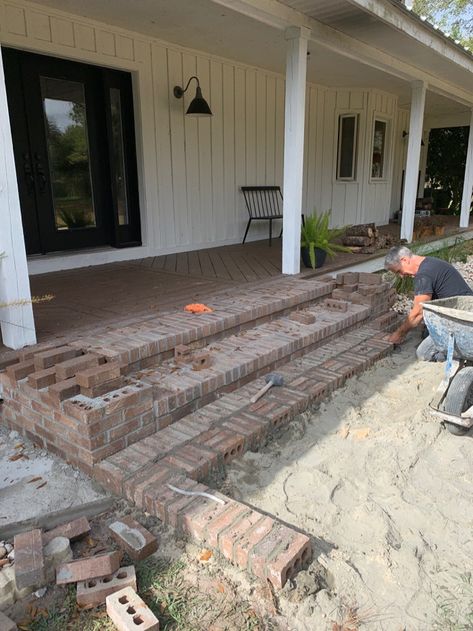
190 170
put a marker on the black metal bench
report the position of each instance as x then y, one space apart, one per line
263 203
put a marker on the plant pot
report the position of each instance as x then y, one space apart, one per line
320 256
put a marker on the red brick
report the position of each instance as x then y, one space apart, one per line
97 375
73 530
216 526
195 460
303 317
71 367
335 305
243 546
201 361
137 542
92 567
197 517
102 388
135 487
29 560
49 358
42 378
93 592
182 352
232 535
128 612
225 442
288 561
20 370
62 390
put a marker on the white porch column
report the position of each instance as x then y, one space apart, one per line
468 183
413 158
296 66
17 322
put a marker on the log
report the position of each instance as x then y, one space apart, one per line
362 230
363 241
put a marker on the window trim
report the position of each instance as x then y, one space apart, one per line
386 154
353 177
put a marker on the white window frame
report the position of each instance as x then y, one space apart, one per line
386 152
353 177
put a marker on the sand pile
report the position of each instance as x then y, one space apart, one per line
387 494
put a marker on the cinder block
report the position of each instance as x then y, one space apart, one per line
84 569
128 612
29 560
6 624
137 542
73 530
201 361
93 592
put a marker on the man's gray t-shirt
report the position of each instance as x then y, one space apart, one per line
440 279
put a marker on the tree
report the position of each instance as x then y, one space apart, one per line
446 161
453 16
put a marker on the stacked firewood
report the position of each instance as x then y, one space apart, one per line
365 238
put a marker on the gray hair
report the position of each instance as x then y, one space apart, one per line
394 256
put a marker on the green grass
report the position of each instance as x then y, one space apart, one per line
455 606
177 603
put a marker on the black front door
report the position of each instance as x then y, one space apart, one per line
72 127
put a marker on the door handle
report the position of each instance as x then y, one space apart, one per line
28 172
40 173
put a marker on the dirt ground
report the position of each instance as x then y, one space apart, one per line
386 492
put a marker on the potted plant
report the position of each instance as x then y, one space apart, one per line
318 240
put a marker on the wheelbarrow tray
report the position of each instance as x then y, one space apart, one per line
451 316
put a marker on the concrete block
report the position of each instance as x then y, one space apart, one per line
93 592
128 612
29 560
57 551
137 542
73 530
84 569
6 624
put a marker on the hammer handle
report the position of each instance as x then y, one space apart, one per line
260 393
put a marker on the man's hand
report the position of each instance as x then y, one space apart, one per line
396 338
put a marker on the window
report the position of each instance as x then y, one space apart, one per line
379 149
347 136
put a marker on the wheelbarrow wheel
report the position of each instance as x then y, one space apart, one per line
459 398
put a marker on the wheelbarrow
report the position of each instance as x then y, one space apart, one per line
450 325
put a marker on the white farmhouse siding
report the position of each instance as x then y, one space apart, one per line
190 170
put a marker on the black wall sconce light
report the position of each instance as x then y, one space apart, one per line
406 133
198 106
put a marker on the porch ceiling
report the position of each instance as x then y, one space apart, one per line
206 26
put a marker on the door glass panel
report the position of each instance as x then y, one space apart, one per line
68 152
118 159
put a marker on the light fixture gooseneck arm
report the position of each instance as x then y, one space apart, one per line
179 92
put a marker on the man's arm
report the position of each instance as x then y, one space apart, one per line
413 319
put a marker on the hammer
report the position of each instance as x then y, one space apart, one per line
272 379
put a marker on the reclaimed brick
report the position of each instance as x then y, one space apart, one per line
128 612
97 375
366 278
72 530
93 592
228 444
69 368
130 535
20 370
303 317
29 560
85 569
51 357
42 378
201 361
62 390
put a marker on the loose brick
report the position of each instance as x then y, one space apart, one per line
63 390
182 353
367 278
303 317
72 530
71 367
84 569
137 542
6 624
128 612
98 375
20 370
42 378
93 592
335 305
102 388
29 560
49 358
201 361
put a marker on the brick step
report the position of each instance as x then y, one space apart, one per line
96 411
202 442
